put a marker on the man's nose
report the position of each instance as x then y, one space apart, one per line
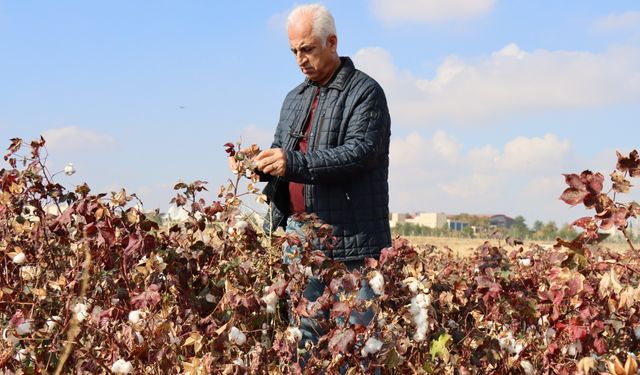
301 58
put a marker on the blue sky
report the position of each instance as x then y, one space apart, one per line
491 101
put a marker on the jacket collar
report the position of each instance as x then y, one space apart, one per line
340 78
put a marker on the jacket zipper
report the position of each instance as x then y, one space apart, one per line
317 139
305 189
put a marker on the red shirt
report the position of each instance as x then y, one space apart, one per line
296 190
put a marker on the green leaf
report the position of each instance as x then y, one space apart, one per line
393 359
439 347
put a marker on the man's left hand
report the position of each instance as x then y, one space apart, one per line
272 161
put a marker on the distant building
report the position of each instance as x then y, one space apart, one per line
456 225
501 221
425 219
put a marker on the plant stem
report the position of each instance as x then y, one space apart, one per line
626 236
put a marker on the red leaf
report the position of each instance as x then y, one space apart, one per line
230 149
134 245
387 254
558 296
629 164
150 297
17 318
584 222
342 341
301 307
340 309
371 263
600 345
16 143
573 196
577 332
107 236
350 282
594 182
574 181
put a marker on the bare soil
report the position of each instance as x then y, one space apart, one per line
465 246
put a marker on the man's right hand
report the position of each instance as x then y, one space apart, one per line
233 164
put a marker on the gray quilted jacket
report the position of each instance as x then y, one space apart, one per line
346 166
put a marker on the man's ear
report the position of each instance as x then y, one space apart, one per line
332 42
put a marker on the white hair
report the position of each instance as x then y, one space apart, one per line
323 23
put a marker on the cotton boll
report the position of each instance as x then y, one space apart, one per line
418 309
377 283
420 335
51 323
574 348
24 328
69 169
240 226
372 346
423 300
122 367
22 355
526 262
239 362
28 273
414 309
237 336
210 298
134 316
80 309
516 348
95 312
271 300
636 332
527 367
421 318
551 333
294 334
509 344
305 270
19 258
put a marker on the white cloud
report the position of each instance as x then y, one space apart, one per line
429 11
445 145
618 22
527 155
508 81
518 177
73 138
252 134
414 149
475 186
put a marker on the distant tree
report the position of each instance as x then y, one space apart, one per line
519 229
537 225
567 232
467 232
548 231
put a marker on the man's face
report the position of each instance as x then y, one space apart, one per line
315 59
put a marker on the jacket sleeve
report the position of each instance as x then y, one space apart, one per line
366 138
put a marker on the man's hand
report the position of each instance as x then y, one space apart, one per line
233 164
272 161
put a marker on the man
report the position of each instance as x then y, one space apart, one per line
330 154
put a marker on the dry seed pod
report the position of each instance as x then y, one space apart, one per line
631 366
